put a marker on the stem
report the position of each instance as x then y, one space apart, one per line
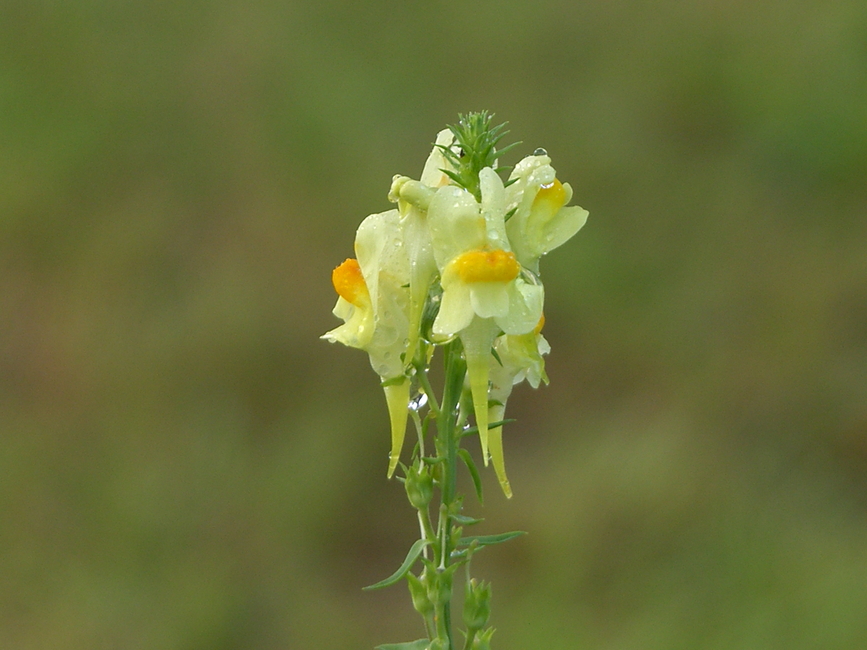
447 430
424 382
456 369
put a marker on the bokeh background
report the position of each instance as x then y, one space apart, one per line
185 466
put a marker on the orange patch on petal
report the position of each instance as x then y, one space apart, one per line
486 266
349 282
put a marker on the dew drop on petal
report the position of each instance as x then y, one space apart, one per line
540 152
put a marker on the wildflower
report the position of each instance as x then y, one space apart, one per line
540 222
484 287
374 305
412 198
518 357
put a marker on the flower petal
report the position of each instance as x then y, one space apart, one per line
432 175
489 299
494 208
455 224
525 308
456 310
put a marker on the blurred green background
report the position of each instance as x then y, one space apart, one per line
183 465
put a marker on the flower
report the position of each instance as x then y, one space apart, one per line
412 198
461 249
484 287
540 222
374 304
517 358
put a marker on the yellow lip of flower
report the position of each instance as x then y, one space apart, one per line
485 266
349 283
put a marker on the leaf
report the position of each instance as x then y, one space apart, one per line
497 356
477 480
419 644
489 540
414 551
492 425
463 520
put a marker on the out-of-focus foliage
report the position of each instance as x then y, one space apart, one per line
184 466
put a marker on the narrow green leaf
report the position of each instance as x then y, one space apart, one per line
508 147
471 465
414 551
420 644
463 520
493 425
488 540
496 356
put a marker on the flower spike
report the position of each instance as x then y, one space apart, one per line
457 259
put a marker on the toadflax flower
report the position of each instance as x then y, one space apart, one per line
413 198
484 288
374 304
461 248
540 222
518 357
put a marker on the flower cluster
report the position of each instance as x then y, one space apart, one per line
457 259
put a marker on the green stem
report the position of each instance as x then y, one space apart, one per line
447 430
424 382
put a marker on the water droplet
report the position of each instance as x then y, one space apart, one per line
546 186
540 152
417 402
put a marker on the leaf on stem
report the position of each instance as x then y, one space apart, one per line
474 472
414 552
419 644
463 520
493 425
489 540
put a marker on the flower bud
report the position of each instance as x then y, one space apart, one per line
419 485
483 640
419 595
440 585
477 604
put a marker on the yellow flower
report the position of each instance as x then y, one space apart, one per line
481 276
485 290
412 198
374 304
518 358
540 222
